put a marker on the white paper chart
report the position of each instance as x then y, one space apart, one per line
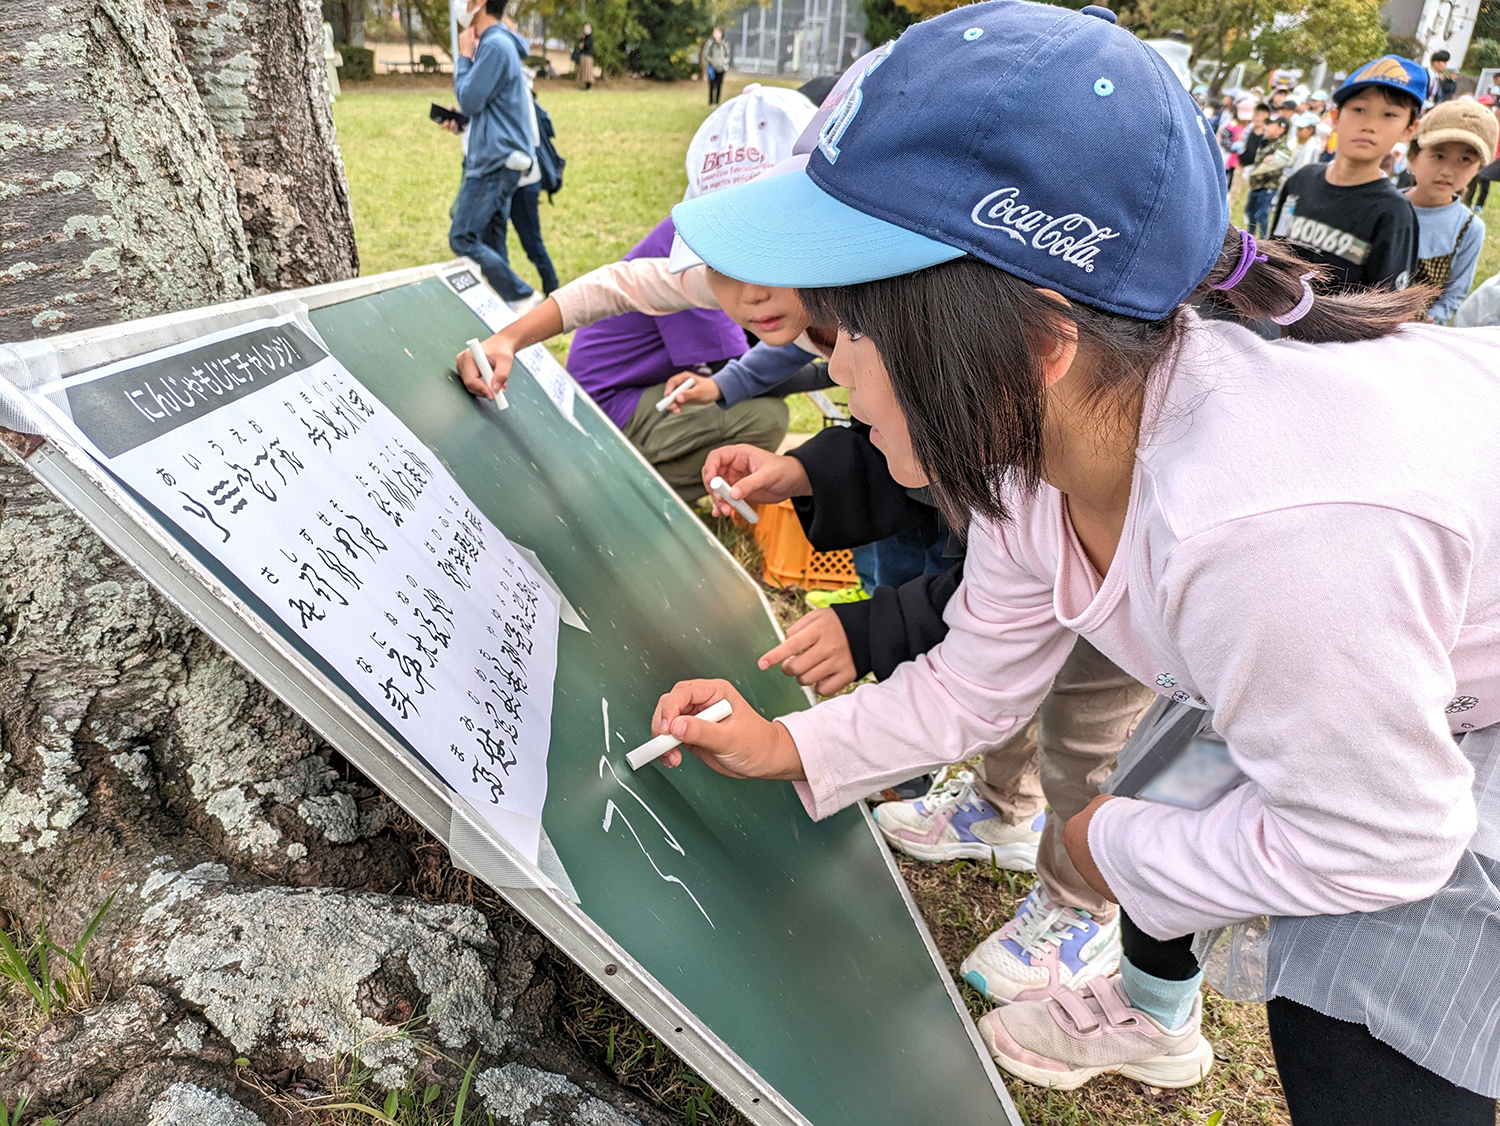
543 366
278 462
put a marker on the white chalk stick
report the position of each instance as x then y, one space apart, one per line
650 752
719 486
476 350
667 400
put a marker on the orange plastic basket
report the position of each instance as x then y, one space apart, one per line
790 559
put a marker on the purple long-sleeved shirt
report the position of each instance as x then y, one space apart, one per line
616 358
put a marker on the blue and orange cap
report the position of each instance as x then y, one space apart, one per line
1391 71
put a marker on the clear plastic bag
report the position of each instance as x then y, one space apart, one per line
1234 958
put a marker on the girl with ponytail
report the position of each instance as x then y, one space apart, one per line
1031 266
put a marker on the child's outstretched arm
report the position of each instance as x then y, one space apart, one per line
643 285
533 326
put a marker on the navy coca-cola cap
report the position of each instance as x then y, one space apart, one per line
1047 142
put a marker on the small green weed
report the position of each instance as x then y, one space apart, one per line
12 1117
29 965
350 1102
605 1031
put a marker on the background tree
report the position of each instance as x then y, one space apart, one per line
665 37
1484 48
1264 33
885 20
252 939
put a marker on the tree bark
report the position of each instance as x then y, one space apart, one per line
259 69
252 872
115 201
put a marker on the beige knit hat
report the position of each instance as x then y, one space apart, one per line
1465 121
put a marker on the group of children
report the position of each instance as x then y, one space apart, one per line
1326 180
1149 496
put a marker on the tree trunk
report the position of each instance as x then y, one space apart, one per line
116 200
250 873
259 69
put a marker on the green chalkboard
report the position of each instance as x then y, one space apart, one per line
788 938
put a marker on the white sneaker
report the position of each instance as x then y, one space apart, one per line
1046 946
1067 1039
525 304
952 822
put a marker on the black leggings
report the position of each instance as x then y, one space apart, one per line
1334 1072
715 87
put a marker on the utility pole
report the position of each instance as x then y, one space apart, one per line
843 22
776 45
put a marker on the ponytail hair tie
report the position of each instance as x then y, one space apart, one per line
1248 258
1301 308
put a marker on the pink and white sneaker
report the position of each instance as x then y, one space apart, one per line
1067 1039
952 822
1045 947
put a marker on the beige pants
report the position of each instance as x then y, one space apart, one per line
1060 758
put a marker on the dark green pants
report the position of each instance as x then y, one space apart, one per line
679 444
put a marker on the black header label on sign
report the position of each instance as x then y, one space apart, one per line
129 408
461 281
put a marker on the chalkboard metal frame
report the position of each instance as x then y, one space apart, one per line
130 530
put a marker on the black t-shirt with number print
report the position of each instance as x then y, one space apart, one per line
1365 234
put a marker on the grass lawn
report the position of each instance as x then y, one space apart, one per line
625 142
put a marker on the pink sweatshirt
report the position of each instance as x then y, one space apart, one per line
1312 548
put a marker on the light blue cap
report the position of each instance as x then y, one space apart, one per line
783 230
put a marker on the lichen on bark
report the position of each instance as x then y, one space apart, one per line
115 201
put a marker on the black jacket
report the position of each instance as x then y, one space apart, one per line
862 504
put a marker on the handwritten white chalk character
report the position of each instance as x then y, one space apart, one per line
655 748
483 363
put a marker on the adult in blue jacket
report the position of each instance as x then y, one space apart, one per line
492 92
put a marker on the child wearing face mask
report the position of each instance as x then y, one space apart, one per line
1454 141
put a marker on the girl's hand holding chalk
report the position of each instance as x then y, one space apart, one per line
487 374
689 387
721 487
745 745
484 366
676 396
655 748
753 475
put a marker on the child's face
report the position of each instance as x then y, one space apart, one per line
1369 126
1305 133
1447 167
856 364
775 315
1262 116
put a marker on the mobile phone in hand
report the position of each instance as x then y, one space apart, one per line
440 114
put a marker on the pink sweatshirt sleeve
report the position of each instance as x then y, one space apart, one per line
642 285
1329 675
982 682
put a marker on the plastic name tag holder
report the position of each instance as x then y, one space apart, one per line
1176 758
